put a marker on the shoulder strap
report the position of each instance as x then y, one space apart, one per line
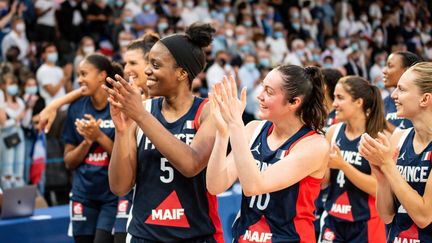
139 132
336 131
403 137
198 114
256 132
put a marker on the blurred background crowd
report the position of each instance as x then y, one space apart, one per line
252 36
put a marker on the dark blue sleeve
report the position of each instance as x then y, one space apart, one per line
70 135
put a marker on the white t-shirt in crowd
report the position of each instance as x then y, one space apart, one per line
46 75
49 17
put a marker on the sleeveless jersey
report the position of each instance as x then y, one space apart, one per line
168 206
415 169
390 114
282 216
345 201
90 179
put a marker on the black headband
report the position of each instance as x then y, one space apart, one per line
181 48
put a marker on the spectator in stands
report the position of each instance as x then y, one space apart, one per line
220 68
99 15
17 37
71 17
146 19
249 78
46 23
85 48
6 14
12 136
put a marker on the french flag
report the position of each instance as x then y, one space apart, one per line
280 154
189 125
427 156
38 159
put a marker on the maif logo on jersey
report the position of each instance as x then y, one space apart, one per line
169 213
78 212
259 232
342 208
408 236
99 157
328 236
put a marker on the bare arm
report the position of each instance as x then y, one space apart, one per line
7 18
74 155
48 114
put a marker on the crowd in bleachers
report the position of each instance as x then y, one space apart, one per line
43 41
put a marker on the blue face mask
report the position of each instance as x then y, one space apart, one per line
119 3
52 57
128 19
147 7
327 65
250 66
332 47
31 90
315 57
220 38
245 48
296 26
247 23
162 26
382 63
12 90
265 62
278 35
380 84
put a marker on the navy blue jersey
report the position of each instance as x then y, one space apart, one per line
168 206
90 180
415 169
345 201
391 116
282 216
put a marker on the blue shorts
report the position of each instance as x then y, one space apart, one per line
123 209
88 215
372 230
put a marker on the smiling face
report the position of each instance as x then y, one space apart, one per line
162 72
407 96
272 99
90 78
135 66
345 106
393 70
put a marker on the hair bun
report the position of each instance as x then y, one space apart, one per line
200 34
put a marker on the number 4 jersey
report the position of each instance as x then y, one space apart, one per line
168 206
282 216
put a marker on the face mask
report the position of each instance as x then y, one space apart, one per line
12 89
332 47
229 32
189 4
278 35
31 90
226 10
265 62
379 39
20 27
300 53
315 57
355 47
382 63
52 57
123 43
261 44
162 26
327 65
147 7
204 4
250 66
241 37
364 18
296 26
119 3
231 19
88 49
128 19
310 46
258 12
221 38
380 84
295 15
247 23
245 48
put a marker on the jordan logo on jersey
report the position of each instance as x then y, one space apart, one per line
342 208
169 213
408 236
256 149
259 232
99 157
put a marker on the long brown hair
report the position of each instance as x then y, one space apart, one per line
373 106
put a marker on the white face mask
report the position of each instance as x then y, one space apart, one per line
20 27
88 49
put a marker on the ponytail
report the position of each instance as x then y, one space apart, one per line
306 83
313 111
375 120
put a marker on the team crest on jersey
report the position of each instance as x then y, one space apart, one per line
408 236
99 157
169 213
342 208
78 211
259 232
122 208
328 236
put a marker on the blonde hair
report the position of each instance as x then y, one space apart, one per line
423 71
